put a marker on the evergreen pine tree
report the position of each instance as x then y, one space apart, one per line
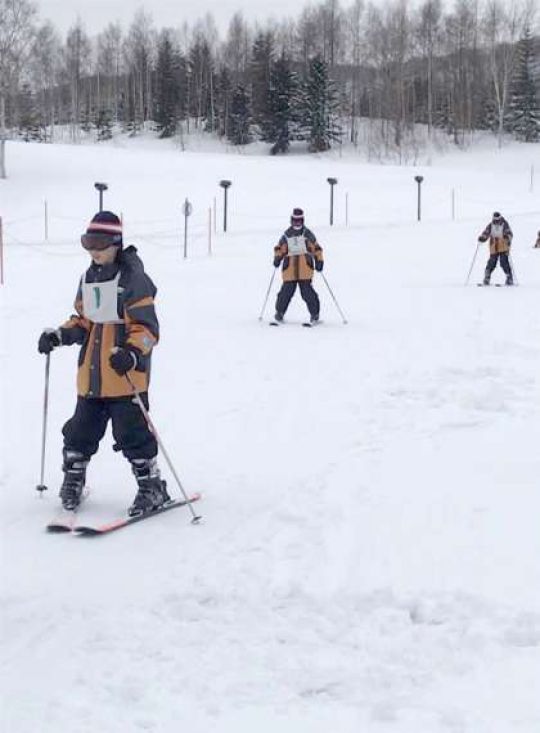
319 106
283 84
223 100
523 118
30 122
104 125
166 89
239 117
260 71
87 118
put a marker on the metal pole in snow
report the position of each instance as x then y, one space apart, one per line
419 180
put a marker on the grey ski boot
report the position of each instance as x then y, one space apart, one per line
152 492
74 468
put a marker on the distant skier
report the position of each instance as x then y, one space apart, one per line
116 325
537 241
500 239
299 253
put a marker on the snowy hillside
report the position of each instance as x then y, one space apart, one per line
369 560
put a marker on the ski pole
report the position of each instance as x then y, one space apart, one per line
472 263
510 261
41 487
333 298
267 294
195 517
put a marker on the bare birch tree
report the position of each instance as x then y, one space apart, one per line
503 28
16 33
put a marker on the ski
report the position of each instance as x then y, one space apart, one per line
66 519
63 522
105 528
305 324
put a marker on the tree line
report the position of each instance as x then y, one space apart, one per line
362 73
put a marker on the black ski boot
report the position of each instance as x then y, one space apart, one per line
74 468
278 317
314 319
487 278
152 492
509 280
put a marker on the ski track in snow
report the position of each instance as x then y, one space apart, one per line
369 555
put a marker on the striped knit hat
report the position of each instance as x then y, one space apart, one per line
104 230
297 219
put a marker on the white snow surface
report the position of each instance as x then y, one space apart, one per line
369 559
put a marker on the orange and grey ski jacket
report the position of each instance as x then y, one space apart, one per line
114 308
499 235
298 251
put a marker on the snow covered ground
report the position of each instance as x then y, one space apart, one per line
369 559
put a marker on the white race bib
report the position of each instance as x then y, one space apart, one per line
497 231
100 301
297 245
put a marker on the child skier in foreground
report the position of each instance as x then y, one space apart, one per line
500 239
117 327
298 253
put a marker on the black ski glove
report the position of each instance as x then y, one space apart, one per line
123 361
319 264
49 340
277 261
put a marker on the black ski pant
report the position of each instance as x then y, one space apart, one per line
307 292
83 432
502 257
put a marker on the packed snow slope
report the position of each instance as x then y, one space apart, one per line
369 559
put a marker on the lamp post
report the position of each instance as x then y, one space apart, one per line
187 208
332 182
225 185
419 180
101 187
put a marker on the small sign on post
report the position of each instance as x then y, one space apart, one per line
187 208
100 187
419 180
332 182
225 185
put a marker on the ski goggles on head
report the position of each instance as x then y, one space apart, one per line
100 240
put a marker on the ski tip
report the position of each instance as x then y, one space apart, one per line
87 531
58 528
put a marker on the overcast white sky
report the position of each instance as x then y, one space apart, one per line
96 14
